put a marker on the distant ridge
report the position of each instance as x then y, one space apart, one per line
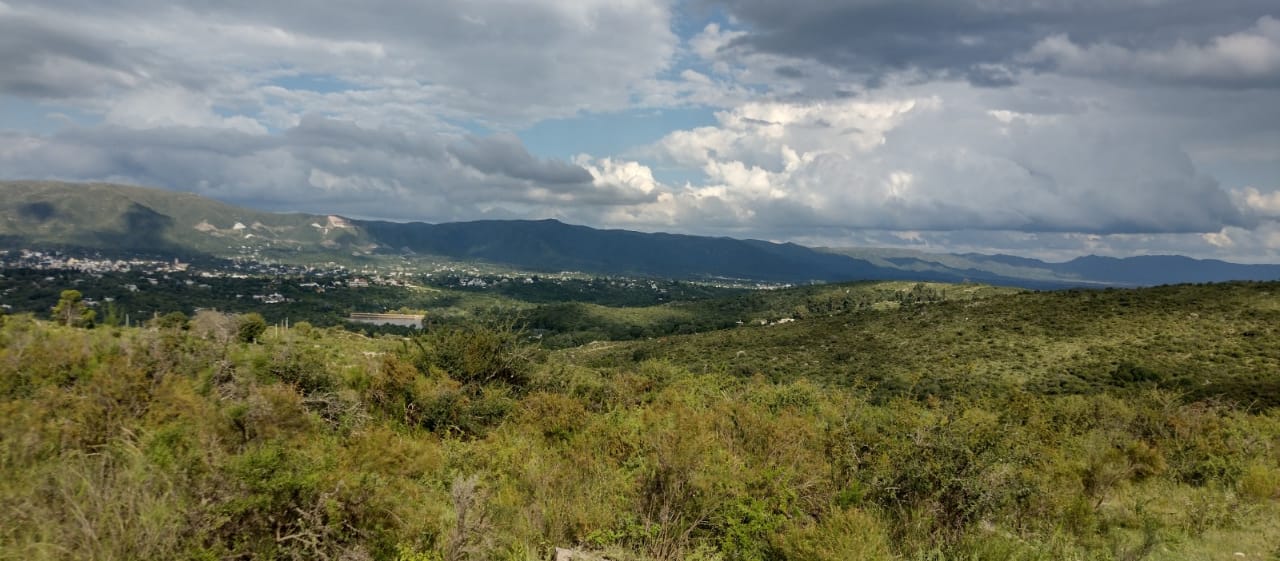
120 218
553 245
1143 270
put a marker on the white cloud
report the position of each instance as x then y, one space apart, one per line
1248 57
1220 239
607 172
1260 244
172 106
778 135
1254 201
495 61
939 160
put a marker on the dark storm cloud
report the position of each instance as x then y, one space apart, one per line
48 59
990 76
314 131
789 72
972 39
36 57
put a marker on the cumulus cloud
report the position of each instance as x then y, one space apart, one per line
1259 203
941 163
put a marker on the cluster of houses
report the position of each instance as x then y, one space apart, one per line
317 278
474 280
55 260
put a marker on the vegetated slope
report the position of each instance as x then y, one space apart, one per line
203 440
576 323
124 218
1162 269
550 245
1143 270
1204 340
977 266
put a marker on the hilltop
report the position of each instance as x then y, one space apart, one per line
124 219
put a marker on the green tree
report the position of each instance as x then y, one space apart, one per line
172 320
251 327
115 315
71 310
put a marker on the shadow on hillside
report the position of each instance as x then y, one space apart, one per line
141 229
41 211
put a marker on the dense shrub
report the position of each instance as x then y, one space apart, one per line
475 354
464 444
839 536
250 327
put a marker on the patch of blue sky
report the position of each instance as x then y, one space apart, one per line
319 83
678 177
690 23
610 134
41 118
229 111
1236 174
696 17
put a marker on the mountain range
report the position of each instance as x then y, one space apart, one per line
127 219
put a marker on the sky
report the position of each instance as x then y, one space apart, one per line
1047 128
